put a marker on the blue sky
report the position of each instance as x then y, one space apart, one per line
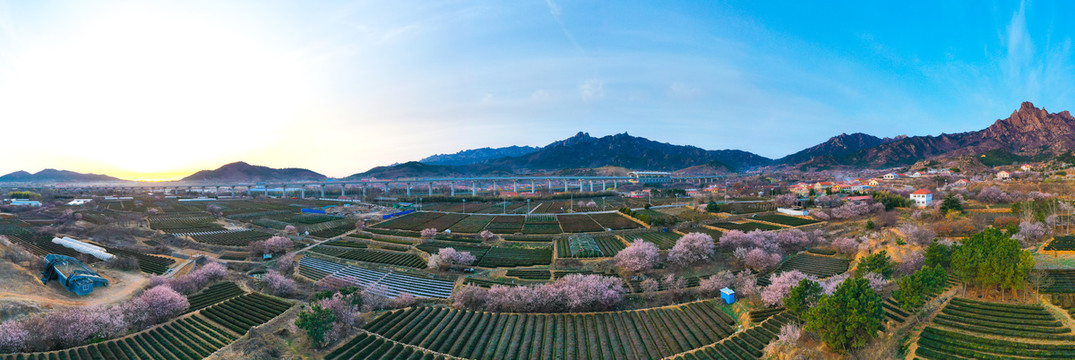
161 89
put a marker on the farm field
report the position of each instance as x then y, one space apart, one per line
373 256
747 344
820 266
746 226
512 257
970 329
230 237
186 338
241 313
393 282
471 224
506 224
150 264
366 346
529 274
785 220
184 223
614 221
633 334
663 239
587 246
190 337
213 294
1058 281
579 224
1061 243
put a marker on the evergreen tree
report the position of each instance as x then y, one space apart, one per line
802 297
848 318
316 322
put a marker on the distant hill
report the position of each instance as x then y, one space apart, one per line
243 172
624 150
474 156
55 176
1029 132
582 151
833 150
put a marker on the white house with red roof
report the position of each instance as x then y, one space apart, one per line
1004 175
1027 167
922 198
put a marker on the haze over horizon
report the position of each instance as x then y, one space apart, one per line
160 90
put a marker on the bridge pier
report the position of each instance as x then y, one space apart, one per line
452 184
591 185
581 189
531 186
565 185
474 189
430 188
408 189
343 190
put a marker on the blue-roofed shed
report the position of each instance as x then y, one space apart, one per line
728 295
72 274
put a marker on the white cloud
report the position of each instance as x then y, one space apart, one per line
679 90
592 90
554 9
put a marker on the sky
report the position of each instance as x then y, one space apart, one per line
160 89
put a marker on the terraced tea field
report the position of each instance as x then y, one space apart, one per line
663 239
785 220
981 330
633 334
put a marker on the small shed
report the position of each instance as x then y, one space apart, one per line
728 295
72 274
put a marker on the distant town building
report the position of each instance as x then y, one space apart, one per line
1027 167
25 202
890 176
1004 175
922 198
961 182
79 202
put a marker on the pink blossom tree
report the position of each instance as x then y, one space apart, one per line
278 284
448 257
214 210
785 200
470 297
746 283
920 235
911 263
639 257
429 233
649 286
846 246
759 259
993 195
710 286
360 224
691 249
877 282
1031 232
402 300
154 306
291 230
828 286
572 293
780 286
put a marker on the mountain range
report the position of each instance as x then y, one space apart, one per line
243 172
54 176
1028 133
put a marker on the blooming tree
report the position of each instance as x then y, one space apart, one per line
447 257
278 284
712 285
691 248
428 233
746 283
785 200
650 286
273 245
911 263
572 293
920 235
214 210
1031 232
780 285
154 306
758 259
994 195
846 246
291 230
639 257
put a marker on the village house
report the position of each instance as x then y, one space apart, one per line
1004 175
922 198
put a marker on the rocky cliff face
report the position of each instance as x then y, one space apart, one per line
1029 131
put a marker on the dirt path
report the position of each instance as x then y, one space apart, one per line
29 288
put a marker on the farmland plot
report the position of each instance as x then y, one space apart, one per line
579 224
663 239
747 344
963 330
614 221
230 237
820 266
634 334
786 220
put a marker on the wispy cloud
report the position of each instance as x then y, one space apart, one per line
556 12
592 90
